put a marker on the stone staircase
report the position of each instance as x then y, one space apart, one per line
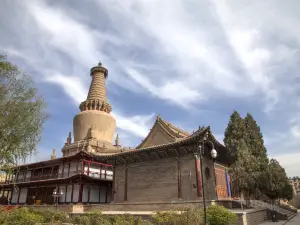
284 213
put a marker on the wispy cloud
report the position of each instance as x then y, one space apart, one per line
71 85
178 56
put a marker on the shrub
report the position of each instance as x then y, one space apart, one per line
181 217
91 219
127 219
3 217
23 216
82 220
216 215
51 216
219 215
98 218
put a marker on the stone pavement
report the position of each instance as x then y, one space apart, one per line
294 221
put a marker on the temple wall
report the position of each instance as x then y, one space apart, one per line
119 184
188 178
153 181
157 180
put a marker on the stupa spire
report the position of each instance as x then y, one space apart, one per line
96 99
97 87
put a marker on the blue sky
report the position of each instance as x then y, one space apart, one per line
193 62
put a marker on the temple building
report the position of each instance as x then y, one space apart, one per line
96 169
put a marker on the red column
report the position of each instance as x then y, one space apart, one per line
88 172
198 176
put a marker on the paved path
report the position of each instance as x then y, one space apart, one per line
294 221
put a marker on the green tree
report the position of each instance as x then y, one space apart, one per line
22 117
254 139
243 172
276 180
235 131
287 191
255 142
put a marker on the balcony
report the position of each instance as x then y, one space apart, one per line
97 170
92 169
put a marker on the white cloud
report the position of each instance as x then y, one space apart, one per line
284 146
64 33
218 51
137 125
71 85
190 46
175 90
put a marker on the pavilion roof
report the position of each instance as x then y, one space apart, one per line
173 132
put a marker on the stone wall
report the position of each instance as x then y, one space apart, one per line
157 180
136 207
251 217
257 217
